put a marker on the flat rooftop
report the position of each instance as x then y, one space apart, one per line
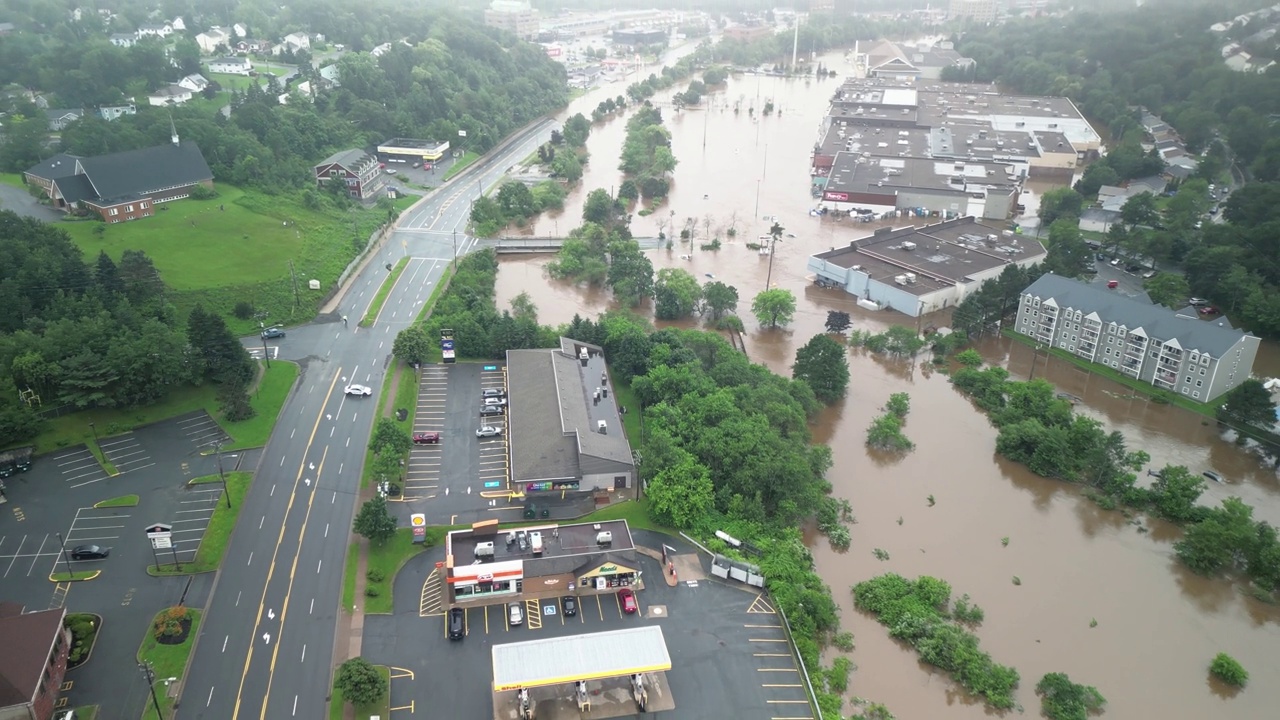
595 656
410 143
888 175
858 139
558 541
978 140
941 255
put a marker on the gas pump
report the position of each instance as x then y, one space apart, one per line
584 700
524 706
639 691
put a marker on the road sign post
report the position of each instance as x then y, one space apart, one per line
161 537
446 345
418 522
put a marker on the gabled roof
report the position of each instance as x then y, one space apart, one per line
349 159
74 188
64 112
1155 321
230 60
55 167
28 638
146 170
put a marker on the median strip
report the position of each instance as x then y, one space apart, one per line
375 306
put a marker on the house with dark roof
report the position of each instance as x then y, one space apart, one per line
125 185
60 119
34 661
564 427
359 170
1173 350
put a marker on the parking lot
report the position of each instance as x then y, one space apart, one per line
76 466
126 453
462 477
727 644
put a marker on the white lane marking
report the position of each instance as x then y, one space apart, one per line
281 461
224 643
304 653
326 534
250 558
260 522
210 700
238 598
273 491
319 564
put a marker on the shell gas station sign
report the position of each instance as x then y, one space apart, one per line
418 522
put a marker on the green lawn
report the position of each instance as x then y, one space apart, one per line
75 428
216 537
196 245
631 423
122 501
635 512
375 307
87 712
381 709
460 164
14 179
349 578
167 661
388 558
229 81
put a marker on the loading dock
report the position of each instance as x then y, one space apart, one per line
598 675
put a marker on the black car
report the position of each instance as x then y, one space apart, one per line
457 624
1099 257
1132 268
272 333
490 410
570 605
89 552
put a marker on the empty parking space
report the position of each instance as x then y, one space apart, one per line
202 430
90 526
126 453
79 467
20 555
593 613
422 476
778 675
192 518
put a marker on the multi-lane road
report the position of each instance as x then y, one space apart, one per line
266 642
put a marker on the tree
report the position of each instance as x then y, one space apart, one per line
1168 289
1095 176
1061 699
1220 541
412 345
1059 203
837 321
389 438
1141 210
1069 255
774 307
681 494
1249 403
677 294
719 298
630 272
373 522
599 208
885 433
1175 493
823 365
360 682
516 200
1228 670
567 165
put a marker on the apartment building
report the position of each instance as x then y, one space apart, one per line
1171 349
515 16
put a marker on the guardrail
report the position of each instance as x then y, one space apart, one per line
813 696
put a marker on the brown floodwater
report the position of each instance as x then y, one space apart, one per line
1158 626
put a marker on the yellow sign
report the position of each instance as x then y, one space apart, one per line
610 569
418 520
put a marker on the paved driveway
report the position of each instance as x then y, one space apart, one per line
18 200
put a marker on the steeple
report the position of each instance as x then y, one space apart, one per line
173 132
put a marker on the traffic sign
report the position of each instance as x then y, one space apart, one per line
447 344
161 542
493 484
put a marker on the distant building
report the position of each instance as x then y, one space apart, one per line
640 37
231 66
357 169
922 186
1172 350
212 39
983 11
917 271
124 40
59 119
34 661
173 94
747 33
162 30
125 185
515 16
115 112
195 83
409 150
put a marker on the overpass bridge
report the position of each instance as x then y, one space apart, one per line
531 245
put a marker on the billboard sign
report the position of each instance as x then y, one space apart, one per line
418 522
835 196
446 345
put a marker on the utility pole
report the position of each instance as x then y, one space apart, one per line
65 559
706 118
266 354
769 276
150 674
217 448
455 249
757 210
294 276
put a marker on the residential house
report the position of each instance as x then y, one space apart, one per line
124 40
172 94
179 25
329 74
1171 349
125 185
212 39
163 30
195 83
359 170
293 42
231 66
303 89
380 50
115 112
59 119
6 28
261 47
34 662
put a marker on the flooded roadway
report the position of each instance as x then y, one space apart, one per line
1158 626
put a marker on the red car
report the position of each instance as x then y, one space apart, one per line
628 601
424 438
1209 310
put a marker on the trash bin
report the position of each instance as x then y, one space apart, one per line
402 414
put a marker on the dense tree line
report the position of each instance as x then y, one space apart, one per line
514 202
98 335
1041 431
646 153
449 75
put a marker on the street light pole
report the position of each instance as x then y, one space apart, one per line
66 560
455 249
93 430
266 354
150 675
217 448
757 210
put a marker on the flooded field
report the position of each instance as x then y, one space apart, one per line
1157 627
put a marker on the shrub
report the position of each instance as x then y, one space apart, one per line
1061 699
200 192
372 591
838 675
843 641
1229 670
375 575
243 310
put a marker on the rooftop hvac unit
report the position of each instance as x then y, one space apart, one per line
911 278
900 279
908 245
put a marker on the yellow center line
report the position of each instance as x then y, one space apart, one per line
279 540
284 611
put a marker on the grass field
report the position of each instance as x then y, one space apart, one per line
460 164
229 81
349 578
122 501
75 428
632 424
388 558
13 179
381 709
218 534
379 299
167 661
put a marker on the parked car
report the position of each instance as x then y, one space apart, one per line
488 431
391 171
1115 261
1099 257
1209 310
1132 268
515 614
272 333
426 438
89 552
570 605
1148 274
1113 284
499 401
490 410
358 390
628 600
1213 476
1197 301
457 624
493 393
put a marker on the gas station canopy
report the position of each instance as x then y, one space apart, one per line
562 660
